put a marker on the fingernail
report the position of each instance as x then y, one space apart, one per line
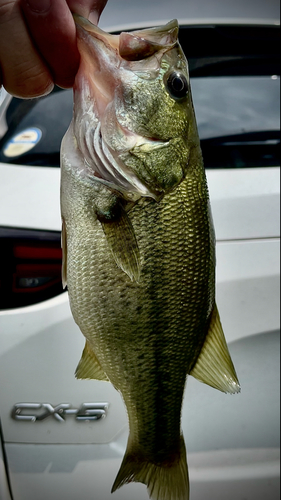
39 6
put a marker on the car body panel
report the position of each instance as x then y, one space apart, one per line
4 485
238 474
25 206
47 330
245 203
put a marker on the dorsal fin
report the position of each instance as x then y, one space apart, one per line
214 366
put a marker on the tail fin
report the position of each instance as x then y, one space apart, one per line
167 482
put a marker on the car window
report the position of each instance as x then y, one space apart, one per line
238 120
36 128
237 105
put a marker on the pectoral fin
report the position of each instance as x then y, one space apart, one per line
214 366
64 254
122 241
89 366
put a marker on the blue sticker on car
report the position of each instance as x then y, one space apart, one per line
23 142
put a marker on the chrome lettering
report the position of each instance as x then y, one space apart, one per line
36 412
91 411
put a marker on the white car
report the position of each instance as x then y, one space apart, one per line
65 438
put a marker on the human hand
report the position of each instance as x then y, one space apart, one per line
38 43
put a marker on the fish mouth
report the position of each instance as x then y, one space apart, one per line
135 45
95 32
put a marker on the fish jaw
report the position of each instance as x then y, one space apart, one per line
118 152
98 64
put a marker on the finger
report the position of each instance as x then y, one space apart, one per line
52 29
24 74
91 9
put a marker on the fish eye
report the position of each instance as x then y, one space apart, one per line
177 85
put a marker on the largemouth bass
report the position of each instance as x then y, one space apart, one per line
139 244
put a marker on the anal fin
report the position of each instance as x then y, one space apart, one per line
89 366
214 366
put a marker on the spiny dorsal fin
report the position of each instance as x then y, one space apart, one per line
214 366
122 241
89 366
64 254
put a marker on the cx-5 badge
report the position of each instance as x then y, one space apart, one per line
34 412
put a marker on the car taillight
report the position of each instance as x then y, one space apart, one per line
30 269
